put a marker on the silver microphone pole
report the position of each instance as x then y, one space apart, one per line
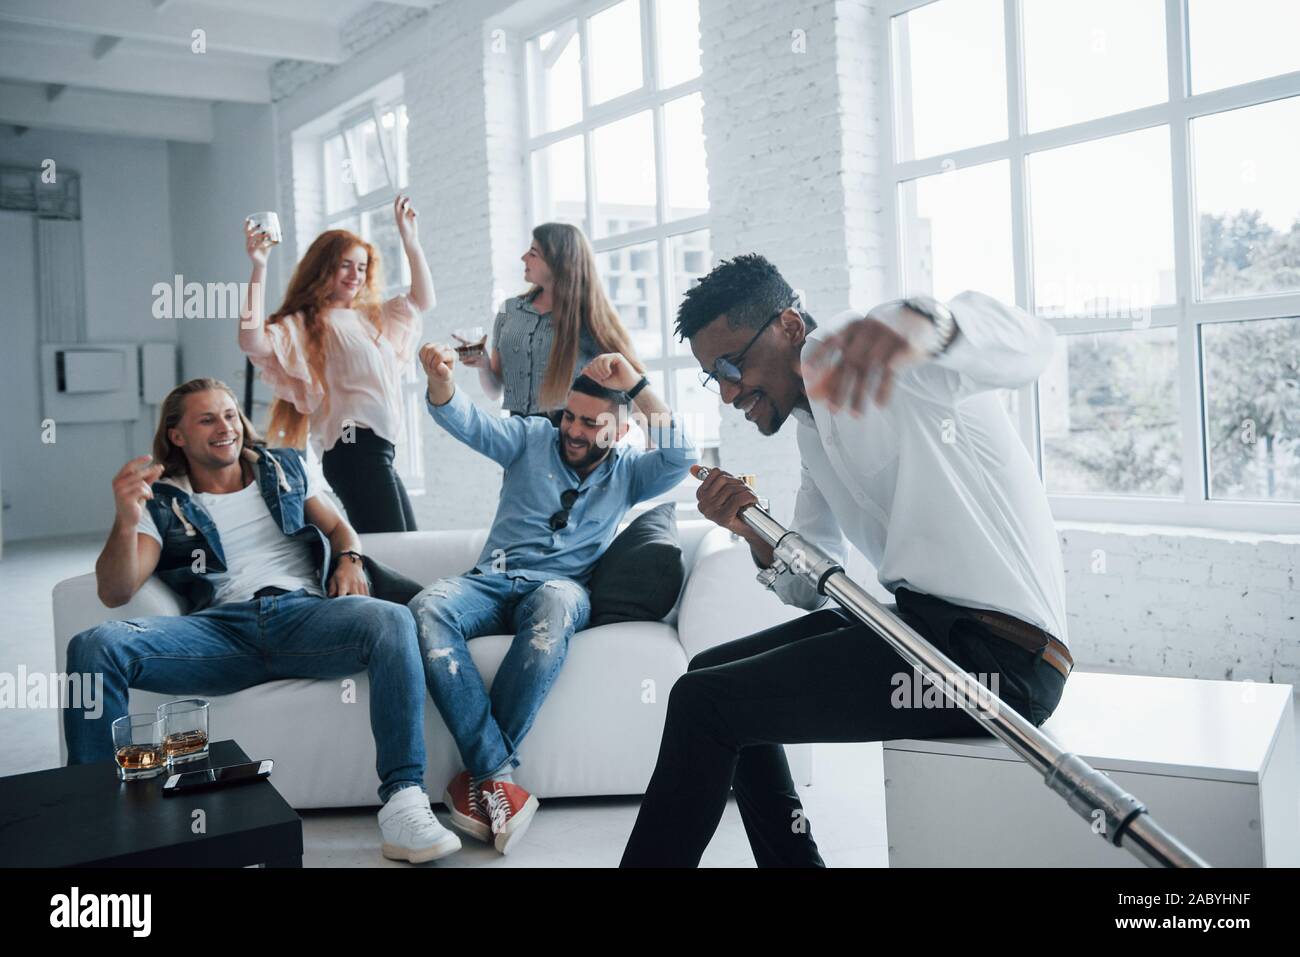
1092 794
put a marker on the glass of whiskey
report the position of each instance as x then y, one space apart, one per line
184 730
471 343
137 746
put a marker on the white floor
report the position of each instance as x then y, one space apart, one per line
846 806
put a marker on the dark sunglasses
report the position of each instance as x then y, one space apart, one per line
729 369
561 518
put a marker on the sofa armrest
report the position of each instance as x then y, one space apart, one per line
722 601
77 607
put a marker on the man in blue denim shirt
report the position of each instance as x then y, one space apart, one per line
241 533
564 493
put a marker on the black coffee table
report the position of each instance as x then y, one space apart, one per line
83 816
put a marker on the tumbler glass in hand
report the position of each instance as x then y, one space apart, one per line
268 224
471 344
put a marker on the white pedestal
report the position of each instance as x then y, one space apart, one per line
1214 762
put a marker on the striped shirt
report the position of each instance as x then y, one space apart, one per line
524 337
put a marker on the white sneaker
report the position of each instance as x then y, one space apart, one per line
411 832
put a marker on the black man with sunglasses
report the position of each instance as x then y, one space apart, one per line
565 490
929 481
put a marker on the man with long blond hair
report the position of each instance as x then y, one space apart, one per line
272 576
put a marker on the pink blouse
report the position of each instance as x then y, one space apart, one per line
364 369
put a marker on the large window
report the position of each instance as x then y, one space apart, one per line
363 167
1125 169
616 147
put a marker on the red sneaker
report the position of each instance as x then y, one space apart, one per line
468 812
510 810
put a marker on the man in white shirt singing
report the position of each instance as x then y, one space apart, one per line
907 454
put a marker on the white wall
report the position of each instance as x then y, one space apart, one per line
213 186
63 488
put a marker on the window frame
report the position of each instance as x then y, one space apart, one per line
1187 314
648 97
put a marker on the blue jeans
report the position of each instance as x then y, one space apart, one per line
543 616
226 648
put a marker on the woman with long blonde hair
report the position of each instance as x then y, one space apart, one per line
543 338
335 356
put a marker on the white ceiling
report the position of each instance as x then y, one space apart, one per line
74 64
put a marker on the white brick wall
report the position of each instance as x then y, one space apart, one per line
788 104
1183 602
466 172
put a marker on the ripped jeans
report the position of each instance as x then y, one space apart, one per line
543 616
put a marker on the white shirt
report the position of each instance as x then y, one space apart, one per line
364 377
936 488
257 553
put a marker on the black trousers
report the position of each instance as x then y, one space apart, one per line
362 476
824 677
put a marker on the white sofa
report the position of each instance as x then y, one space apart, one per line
597 734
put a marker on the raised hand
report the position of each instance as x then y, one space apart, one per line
405 215
131 488
613 371
866 353
439 362
256 243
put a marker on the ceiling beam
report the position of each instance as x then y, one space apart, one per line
104 46
183 75
89 111
225 30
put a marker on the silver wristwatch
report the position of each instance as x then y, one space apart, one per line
940 316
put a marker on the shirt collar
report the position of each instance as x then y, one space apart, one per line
811 341
526 303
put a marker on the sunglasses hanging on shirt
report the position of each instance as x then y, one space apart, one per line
561 518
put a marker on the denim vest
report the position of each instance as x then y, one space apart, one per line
189 536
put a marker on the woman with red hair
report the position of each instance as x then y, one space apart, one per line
335 355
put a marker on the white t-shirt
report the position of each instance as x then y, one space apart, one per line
258 554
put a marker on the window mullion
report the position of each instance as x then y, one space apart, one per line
584 74
1027 407
1190 430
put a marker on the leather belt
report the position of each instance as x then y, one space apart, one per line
1027 636
270 591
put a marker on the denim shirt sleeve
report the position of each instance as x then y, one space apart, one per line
659 469
501 440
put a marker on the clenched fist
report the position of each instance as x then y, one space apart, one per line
613 371
438 362
721 497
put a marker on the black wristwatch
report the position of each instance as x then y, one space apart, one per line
635 391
